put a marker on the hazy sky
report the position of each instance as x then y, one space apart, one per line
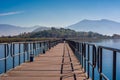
56 12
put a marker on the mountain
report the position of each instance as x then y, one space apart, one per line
41 28
10 30
116 36
102 26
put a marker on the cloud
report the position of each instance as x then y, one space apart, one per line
11 13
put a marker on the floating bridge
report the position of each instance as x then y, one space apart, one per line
54 60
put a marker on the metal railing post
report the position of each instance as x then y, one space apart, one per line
13 51
88 55
84 57
5 55
100 63
19 53
114 66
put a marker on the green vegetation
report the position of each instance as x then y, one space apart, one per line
61 33
55 33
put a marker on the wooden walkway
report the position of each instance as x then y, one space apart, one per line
59 63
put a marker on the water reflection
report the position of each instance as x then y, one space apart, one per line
116 40
113 43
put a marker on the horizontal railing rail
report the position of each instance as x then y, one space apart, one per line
21 51
91 55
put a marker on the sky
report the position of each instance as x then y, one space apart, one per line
56 13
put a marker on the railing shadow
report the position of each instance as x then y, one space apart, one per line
91 55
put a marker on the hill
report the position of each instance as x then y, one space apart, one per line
102 26
41 28
61 33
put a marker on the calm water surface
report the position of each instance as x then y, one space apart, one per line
108 57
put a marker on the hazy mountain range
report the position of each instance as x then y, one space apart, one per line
103 26
9 30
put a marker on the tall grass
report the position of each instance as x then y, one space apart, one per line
9 40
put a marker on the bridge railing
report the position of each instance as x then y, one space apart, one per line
91 55
15 53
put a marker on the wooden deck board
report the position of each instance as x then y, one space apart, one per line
48 67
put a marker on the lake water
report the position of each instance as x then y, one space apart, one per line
107 58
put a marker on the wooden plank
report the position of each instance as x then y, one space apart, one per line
48 67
